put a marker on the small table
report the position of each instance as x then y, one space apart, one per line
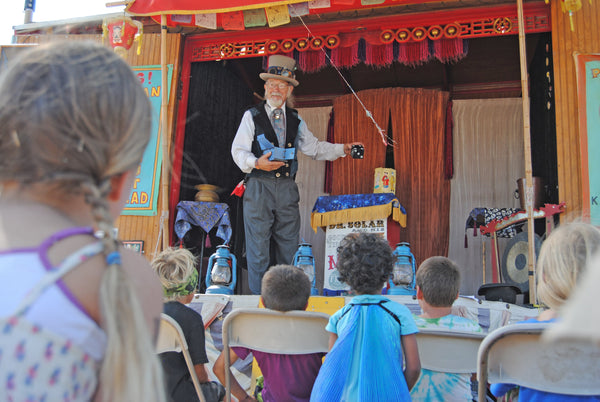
206 215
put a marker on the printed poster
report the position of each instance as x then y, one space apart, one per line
588 92
143 198
333 235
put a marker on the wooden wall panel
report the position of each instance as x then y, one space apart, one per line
584 39
146 228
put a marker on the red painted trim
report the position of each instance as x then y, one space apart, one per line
179 136
377 23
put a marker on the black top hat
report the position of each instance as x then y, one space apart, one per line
281 68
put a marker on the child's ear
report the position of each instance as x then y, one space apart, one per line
419 293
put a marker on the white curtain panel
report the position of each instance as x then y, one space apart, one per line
310 180
488 160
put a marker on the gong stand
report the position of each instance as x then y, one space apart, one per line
547 211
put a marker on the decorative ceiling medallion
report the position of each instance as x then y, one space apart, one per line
387 36
332 41
502 25
418 34
287 45
434 32
227 49
402 35
317 43
451 30
301 44
272 46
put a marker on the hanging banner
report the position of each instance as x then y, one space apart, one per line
144 194
588 93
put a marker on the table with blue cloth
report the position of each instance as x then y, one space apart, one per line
207 215
334 209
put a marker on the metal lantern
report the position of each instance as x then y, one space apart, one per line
305 260
402 281
221 272
121 33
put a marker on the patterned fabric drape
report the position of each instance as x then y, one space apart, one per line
418 118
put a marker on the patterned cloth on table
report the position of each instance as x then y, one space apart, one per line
483 216
329 210
207 215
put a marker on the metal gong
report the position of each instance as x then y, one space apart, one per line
515 259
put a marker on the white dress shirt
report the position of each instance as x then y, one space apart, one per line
307 143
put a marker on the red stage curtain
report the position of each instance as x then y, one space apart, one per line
418 119
355 176
418 124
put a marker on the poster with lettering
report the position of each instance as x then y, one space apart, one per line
333 235
588 92
144 194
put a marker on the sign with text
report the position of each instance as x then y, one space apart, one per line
144 194
588 93
333 235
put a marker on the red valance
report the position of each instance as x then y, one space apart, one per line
156 7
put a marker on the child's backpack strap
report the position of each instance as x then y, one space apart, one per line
380 304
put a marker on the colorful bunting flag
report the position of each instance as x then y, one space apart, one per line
314 4
298 9
181 18
277 15
255 18
233 21
206 20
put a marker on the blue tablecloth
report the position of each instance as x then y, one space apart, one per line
207 215
344 208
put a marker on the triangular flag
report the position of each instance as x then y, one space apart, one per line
206 20
255 18
277 15
313 4
181 18
298 9
233 21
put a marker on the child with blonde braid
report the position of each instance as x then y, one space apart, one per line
79 312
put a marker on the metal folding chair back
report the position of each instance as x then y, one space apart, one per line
516 354
269 331
449 351
171 339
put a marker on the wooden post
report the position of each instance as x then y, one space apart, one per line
527 147
164 181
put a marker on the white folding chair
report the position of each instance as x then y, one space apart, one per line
171 339
448 351
292 332
516 354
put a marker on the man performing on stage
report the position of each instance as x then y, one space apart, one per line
265 148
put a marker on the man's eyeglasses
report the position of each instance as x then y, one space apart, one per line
277 85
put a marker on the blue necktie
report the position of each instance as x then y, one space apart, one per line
279 125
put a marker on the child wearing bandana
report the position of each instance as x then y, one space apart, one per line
176 269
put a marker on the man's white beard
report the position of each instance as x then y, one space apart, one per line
275 103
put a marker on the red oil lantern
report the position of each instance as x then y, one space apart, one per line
121 33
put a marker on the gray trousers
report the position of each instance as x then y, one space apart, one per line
271 217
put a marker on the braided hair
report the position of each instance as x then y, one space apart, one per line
73 116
